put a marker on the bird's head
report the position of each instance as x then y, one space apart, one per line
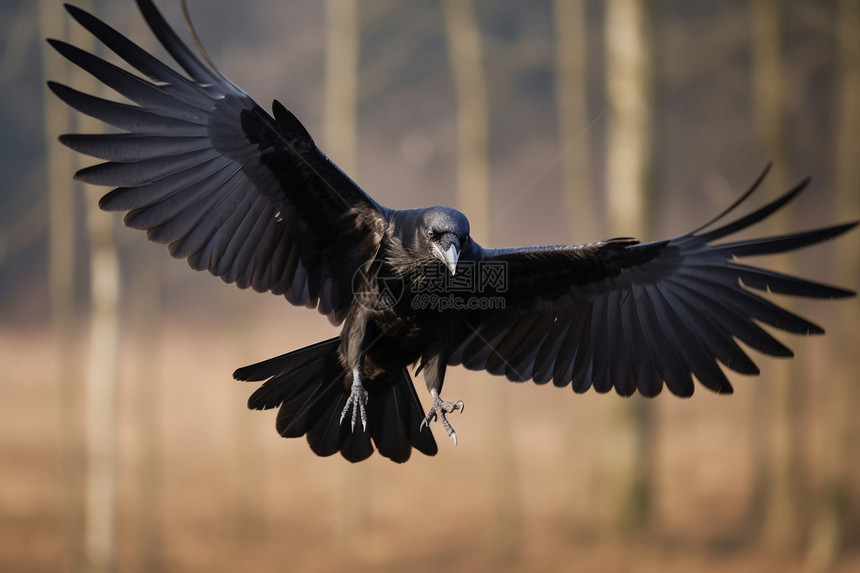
445 232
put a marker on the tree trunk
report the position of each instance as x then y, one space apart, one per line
629 184
248 485
102 360
341 95
61 278
778 412
828 534
571 98
101 388
146 284
473 171
341 126
147 310
473 197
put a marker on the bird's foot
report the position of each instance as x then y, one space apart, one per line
357 401
438 411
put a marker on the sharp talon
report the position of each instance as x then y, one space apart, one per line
459 404
438 411
357 400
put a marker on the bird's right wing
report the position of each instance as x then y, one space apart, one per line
205 169
628 315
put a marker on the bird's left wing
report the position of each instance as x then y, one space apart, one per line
205 169
632 315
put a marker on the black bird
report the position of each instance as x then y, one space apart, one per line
249 197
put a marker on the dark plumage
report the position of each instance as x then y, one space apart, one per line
249 197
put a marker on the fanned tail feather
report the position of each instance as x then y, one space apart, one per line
310 385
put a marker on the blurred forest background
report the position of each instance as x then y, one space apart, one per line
125 444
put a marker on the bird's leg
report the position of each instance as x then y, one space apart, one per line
438 410
357 401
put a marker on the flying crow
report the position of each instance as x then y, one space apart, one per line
249 197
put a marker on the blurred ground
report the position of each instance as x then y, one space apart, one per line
234 496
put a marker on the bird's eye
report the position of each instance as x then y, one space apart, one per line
432 234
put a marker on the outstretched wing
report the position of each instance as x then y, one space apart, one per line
206 170
632 315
